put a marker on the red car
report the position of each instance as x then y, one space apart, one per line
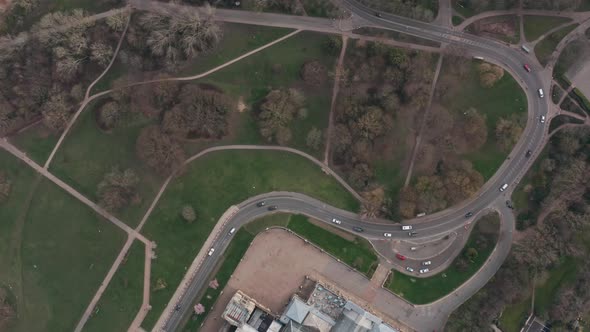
400 257
527 68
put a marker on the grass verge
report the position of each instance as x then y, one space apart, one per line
211 185
546 46
536 26
37 141
123 297
357 253
425 290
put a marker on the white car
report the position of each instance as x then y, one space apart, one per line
426 263
424 271
409 269
211 251
406 228
231 231
336 221
542 119
387 234
541 94
504 186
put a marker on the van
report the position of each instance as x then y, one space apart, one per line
504 187
406 227
526 49
541 94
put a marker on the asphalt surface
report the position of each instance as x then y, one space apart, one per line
510 172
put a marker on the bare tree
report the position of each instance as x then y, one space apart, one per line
118 189
101 54
5 186
188 214
159 151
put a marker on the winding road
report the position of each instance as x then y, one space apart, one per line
424 317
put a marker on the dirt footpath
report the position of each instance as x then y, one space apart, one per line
276 264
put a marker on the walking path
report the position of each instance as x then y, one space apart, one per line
576 16
423 123
578 31
337 79
445 13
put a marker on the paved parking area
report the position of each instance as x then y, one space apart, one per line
536 326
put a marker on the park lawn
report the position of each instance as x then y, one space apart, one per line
237 40
536 26
279 67
456 20
211 185
36 141
514 316
426 290
504 99
349 252
66 252
123 297
546 46
88 153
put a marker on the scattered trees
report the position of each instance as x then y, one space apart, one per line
200 113
109 115
56 112
314 73
508 132
159 151
276 113
314 138
118 189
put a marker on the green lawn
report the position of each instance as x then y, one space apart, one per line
535 26
37 142
514 316
502 100
457 20
425 290
212 184
66 250
546 46
358 253
122 299
279 67
88 153
237 40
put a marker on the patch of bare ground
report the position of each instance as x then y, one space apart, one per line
505 28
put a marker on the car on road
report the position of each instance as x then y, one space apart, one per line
541 94
409 269
400 257
336 221
358 229
412 233
261 204
413 248
468 214
177 307
527 67
272 208
528 153
406 228
211 251
504 187
426 263
231 231
509 204
542 119
387 234
378 14
424 271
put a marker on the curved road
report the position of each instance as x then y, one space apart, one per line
432 315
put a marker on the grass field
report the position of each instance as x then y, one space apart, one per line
457 20
536 26
514 316
546 46
61 252
37 141
88 153
122 299
237 40
502 100
211 185
349 252
425 290
279 67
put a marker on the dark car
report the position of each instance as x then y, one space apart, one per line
412 233
358 229
272 208
468 214
528 153
509 204
260 204
177 307
378 14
